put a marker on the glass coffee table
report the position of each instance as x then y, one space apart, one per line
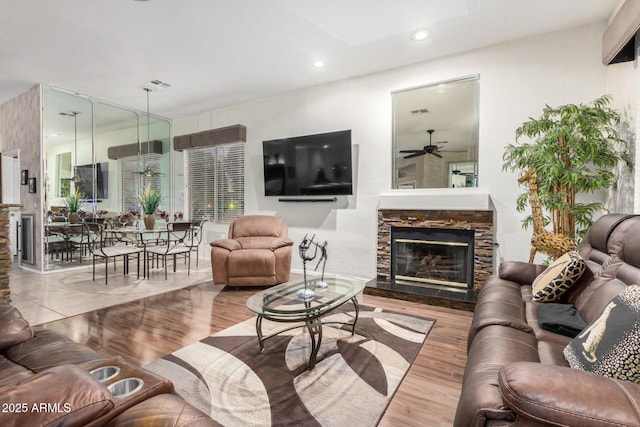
284 303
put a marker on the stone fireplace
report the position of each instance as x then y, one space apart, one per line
447 266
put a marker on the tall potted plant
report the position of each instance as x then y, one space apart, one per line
573 149
150 200
73 202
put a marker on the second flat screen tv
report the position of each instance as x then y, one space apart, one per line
85 173
310 165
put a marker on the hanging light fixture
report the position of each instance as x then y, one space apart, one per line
147 170
76 178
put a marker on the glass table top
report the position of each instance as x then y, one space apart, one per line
282 302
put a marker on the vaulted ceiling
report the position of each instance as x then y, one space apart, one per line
223 52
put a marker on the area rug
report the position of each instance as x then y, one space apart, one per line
355 377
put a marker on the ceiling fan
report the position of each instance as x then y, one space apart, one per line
427 149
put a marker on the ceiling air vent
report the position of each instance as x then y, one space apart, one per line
159 84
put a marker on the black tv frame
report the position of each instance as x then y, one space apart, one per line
288 169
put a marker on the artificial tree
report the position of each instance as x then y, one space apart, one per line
573 149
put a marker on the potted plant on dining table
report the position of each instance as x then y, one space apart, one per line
149 200
73 202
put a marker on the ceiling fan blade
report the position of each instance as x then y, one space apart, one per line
420 153
149 172
436 154
411 151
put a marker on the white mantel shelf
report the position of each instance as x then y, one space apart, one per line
471 199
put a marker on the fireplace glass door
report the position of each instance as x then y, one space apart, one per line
432 258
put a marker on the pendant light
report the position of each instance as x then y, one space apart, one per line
147 170
76 178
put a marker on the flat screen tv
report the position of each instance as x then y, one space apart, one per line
85 183
310 165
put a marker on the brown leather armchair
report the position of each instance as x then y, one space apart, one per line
257 252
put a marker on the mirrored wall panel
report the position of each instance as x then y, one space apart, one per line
435 135
104 155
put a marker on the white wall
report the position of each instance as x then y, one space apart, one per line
516 80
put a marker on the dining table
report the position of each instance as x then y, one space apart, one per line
140 236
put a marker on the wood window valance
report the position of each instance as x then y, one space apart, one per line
618 41
130 150
208 138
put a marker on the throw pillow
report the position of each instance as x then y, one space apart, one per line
558 277
610 345
562 319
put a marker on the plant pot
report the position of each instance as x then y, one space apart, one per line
149 221
74 218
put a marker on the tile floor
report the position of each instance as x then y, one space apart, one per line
43 298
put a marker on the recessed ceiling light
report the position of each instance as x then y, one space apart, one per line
318 64
419 35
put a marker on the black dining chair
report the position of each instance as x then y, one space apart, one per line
79 237
175 242
104 249
195 237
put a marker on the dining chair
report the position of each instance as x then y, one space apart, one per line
103 249
195 237
175 242
79 238
55 243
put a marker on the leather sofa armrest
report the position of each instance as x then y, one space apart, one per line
163 410
560 395
280 243
522 273
228 244
63 395
14 329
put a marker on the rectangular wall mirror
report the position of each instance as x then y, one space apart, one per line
435 135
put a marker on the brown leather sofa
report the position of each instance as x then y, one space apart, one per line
257 252
516 373
46 379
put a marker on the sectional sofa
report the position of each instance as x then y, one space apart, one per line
48 379
518 373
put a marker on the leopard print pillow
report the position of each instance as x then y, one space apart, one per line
610 345
558 277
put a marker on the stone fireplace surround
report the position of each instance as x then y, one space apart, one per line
461 209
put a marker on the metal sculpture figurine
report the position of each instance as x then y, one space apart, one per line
304 250
306 293
323 259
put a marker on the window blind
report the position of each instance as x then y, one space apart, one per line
133 183
215 177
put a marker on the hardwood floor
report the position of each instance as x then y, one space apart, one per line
147 329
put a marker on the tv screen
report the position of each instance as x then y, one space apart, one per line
85 183
308 165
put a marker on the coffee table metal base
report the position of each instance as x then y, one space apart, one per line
313 324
